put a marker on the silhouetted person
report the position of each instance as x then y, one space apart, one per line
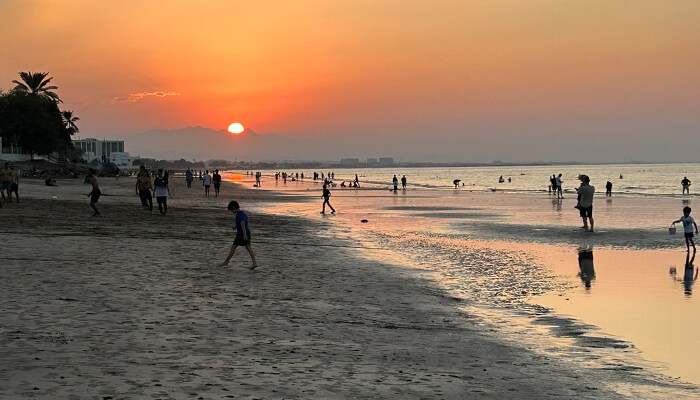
608 189
216 180
189 178
553 184
326 199
559 182
686 185
456 182
143 189
585 202
395 181
403 182
95 193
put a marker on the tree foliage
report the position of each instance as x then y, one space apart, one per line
30 117
33 122
36 83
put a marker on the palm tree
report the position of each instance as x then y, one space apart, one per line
70 121
36 83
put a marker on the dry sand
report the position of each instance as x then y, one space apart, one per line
131 306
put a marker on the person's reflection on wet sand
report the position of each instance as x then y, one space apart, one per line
585 264
690 274
688 278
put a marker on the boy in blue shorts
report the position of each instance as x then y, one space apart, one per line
688 223
242 234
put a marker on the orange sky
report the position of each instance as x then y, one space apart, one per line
467 71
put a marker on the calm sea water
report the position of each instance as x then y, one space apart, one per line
514 252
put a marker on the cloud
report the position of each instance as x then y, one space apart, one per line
134 97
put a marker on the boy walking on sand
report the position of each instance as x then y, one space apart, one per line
688 224
326 199
242 234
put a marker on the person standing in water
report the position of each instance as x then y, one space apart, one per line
395 181
608 189
326 199
95 193
403 182
242 234
686 185
585 202
559 182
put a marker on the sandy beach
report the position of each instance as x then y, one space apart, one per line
131 305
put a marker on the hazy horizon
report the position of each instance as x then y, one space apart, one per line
518 81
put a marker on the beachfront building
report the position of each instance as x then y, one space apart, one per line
386 161
104 150
371 162
349 162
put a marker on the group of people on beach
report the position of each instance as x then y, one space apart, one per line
9 184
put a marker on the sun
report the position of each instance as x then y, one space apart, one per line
236 128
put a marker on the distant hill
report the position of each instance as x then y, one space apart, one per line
203 144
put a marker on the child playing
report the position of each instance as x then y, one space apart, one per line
688 223
242 234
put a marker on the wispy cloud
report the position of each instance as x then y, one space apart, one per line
134 97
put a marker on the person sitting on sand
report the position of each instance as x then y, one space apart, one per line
242 234
688 224
48 181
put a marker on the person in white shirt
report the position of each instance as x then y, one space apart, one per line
162 191
688 224
206 181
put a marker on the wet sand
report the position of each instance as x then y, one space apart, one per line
131 305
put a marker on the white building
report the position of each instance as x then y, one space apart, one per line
104 150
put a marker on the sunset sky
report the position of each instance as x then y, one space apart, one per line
413 79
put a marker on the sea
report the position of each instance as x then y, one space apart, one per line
622 297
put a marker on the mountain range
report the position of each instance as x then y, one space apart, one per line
199 143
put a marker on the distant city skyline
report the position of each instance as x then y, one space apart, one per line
450 81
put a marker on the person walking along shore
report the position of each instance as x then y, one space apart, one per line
242 234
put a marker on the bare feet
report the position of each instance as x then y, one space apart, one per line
254 266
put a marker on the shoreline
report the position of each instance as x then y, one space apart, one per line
114 306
